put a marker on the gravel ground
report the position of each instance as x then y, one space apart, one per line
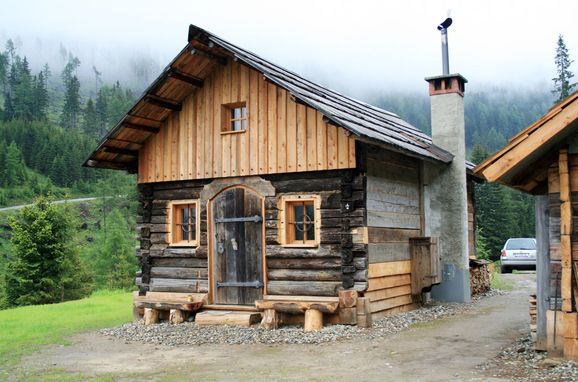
190 334
520 362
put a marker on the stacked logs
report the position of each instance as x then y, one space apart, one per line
479 276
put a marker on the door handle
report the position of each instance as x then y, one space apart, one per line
234 244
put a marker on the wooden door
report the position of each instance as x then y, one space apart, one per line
237 247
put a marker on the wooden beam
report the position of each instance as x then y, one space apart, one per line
155 121
163 102
206 54
185 77
131 167
121 151
565 230
123 141
134 126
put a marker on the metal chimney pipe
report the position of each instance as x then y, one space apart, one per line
443 28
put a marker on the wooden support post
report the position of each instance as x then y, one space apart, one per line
565 231
270 319
542 269
151 316
313 320
176 317
364 318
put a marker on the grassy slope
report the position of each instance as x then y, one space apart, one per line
24 330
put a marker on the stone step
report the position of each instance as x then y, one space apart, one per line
227 317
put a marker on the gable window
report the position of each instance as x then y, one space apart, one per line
184 223
234 117
300 220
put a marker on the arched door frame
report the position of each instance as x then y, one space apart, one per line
211 193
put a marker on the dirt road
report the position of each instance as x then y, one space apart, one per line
441 350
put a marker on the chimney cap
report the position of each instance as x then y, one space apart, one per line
440 77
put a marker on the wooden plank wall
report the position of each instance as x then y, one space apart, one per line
393 217
340 260
282 136
389 288
393 205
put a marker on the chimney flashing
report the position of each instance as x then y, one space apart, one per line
446 84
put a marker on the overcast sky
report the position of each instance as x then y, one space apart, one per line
357 46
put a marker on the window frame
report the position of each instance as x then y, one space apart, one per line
227 120
172 216
284 206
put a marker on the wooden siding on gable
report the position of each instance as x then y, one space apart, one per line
282 136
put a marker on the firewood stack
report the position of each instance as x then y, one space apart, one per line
479 276
532 302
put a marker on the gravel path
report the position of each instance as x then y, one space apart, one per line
520 362
191 334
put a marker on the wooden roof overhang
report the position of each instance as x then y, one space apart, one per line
523 163
119 148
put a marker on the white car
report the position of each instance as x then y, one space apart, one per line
518 253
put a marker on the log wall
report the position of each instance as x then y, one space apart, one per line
340 260
164 268
282 136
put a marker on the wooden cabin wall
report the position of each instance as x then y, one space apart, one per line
393 217
340 260
164 268
471 219
554 226
282 136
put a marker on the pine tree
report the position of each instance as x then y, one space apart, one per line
101 112
23 99
43 268
71 108
90 120
562 85
15 169
40 96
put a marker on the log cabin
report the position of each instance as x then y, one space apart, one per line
263 193
542 160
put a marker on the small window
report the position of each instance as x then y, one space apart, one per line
184 223
234 117
300 225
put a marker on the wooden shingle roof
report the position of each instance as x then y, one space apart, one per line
119 149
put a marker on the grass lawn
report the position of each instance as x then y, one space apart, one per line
24 330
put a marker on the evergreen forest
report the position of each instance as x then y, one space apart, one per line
51 119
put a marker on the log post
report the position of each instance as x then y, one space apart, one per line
151 316
176 316
565 231
347 298
313 320
270 319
